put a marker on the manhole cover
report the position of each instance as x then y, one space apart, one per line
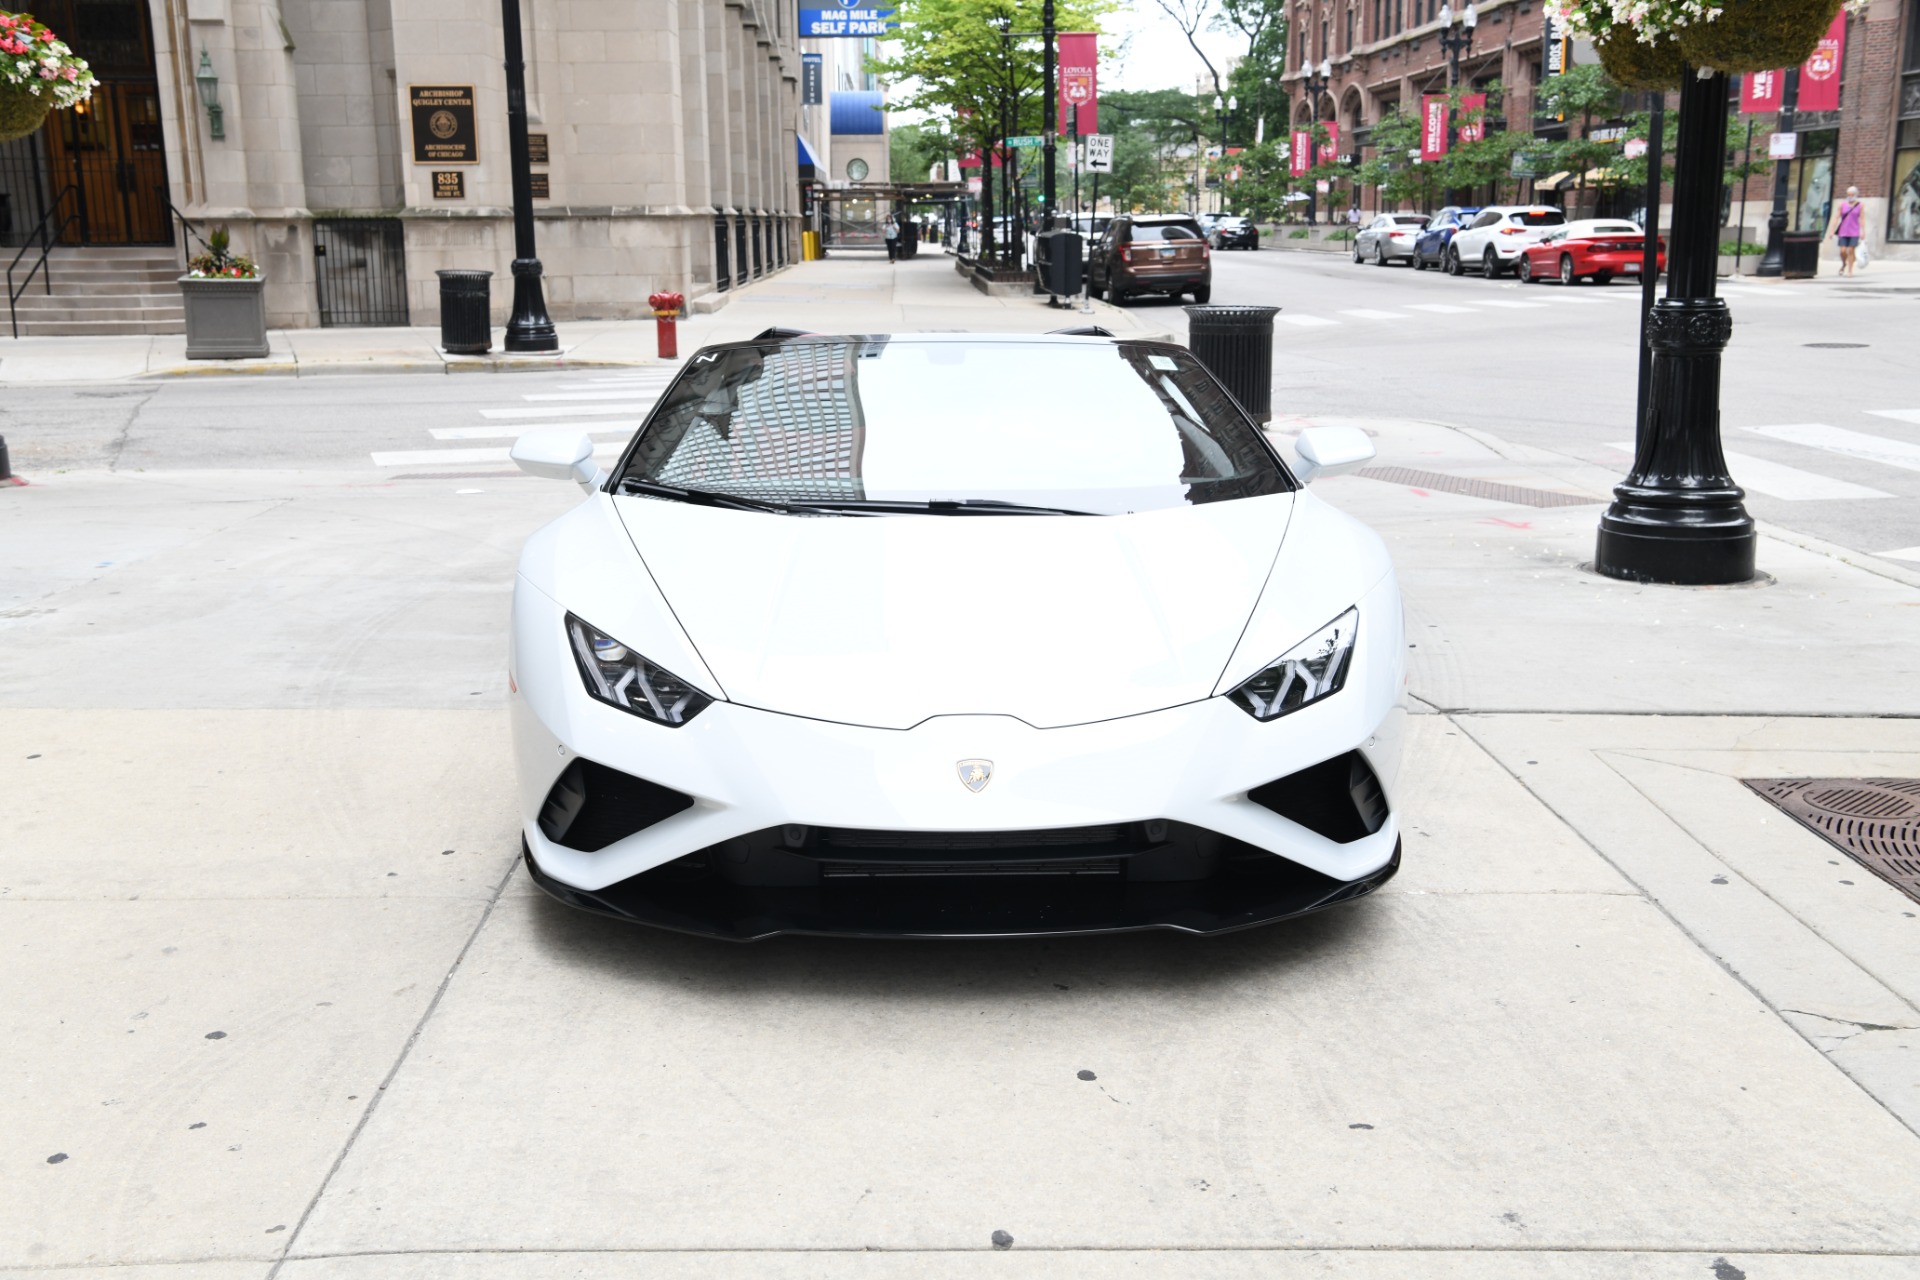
1875 821
1835 346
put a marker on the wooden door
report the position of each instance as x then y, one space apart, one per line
110 150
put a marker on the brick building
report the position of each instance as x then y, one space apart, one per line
1384 54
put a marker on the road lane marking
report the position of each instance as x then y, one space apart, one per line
1853 444
1366 314
557 411
1439 308
1904 553
580 395
511 432
430 457
1505 302
1788 483
1898 415
1305 322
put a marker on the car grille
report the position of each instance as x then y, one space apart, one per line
590 806
1340 798
964 844
873 870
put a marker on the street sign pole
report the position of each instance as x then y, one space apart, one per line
1049 119
1076 159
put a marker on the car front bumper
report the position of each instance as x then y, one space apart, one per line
1171 837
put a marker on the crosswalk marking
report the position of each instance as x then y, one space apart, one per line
583 395
1366 314
556 411
1439 308
510 432
1898 415
1853 444
1503 302
431 457
1904 553
1788 483
1305 322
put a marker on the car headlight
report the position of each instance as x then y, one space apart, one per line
619 677
1311 670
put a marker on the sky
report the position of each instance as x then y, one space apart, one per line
1154 54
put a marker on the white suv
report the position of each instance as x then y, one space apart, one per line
1495 238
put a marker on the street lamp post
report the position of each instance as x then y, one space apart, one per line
1454 44
1224 114
529 328
1315 84
1049 117
1774 261
1679 517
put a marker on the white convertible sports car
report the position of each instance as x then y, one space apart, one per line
954 635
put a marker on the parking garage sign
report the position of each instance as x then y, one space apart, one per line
817 24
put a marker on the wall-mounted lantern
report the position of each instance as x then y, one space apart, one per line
209 85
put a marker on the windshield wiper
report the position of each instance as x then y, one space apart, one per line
705 497
943 506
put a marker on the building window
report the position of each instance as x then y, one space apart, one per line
1324 51
1349 45
1903 202
1376 19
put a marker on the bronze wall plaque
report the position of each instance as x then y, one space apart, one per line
537 148
449 184
541 191
443 128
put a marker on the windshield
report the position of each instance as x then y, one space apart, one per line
1165 231
1093 428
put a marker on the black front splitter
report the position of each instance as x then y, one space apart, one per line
968 907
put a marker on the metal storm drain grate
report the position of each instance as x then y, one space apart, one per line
1875 821
1468 487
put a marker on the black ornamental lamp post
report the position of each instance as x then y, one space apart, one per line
1679 517
1455 42
1774 261
1317 79
529 328
1049 118
1224 116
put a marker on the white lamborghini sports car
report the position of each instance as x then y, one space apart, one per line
954 635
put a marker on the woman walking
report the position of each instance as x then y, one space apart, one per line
1846 229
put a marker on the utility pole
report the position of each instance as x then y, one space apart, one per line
1455 43
1774 261
529 328
1315 85
1049 117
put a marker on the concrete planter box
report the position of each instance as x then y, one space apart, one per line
1749 262
226 319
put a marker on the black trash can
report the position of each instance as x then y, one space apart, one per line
466 305
909 239
1800 254
1236 345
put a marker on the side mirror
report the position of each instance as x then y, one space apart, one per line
558 455
1330 451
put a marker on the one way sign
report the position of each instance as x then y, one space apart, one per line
1099 152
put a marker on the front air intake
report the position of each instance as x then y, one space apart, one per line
1339 798
590 806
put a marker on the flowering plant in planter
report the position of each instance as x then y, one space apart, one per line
218 264
38 74
1646 44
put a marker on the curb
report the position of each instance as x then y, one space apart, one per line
441 365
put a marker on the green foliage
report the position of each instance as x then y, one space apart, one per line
1638 65
1742 248
913 150
1298 233
1344 233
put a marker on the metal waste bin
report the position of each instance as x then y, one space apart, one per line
1236 345
466 306
1800 254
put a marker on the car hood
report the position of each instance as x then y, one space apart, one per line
888 620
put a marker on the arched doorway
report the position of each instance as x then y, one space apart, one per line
108 151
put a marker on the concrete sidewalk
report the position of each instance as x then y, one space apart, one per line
846 293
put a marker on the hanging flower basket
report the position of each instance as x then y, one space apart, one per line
1647 44
38 74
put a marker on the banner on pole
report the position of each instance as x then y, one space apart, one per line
1820 73
1433 126
1330 149
1470 103
1079 54
1300 154
1760 91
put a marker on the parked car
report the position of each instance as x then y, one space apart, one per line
1430 246
1595 249
1151 253
1388 238
1234 233
1498 234
1091 660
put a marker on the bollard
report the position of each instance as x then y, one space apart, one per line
666 311
466 319
6 468
1236 345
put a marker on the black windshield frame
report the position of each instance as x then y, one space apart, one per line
677 392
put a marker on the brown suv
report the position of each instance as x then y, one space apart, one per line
1151 253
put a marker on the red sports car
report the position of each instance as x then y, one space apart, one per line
1597 248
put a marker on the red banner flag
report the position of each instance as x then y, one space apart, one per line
1433 126
1820 73
1330 149
1760 91
1470 103
1300 153
1079 81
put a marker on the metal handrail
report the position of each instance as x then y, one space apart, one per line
185 225
47 240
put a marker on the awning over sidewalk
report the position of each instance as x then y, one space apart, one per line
807 156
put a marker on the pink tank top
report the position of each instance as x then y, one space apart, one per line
1849 224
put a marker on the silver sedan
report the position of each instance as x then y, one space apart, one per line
1388 238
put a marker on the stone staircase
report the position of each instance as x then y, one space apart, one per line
103 290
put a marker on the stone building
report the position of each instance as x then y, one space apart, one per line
1384 54
355 146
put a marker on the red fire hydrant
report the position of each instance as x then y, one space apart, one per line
666 311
